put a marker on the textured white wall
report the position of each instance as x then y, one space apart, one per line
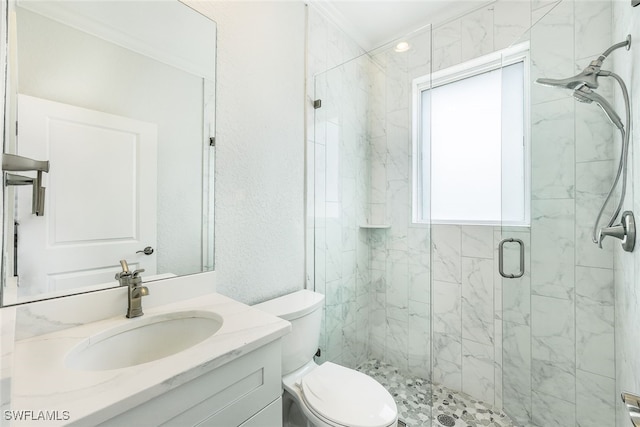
259 218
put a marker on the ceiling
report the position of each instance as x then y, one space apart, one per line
372 23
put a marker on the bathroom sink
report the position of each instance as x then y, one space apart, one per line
143 340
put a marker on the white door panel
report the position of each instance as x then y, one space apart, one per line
100 204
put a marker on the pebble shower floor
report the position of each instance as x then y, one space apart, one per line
415 398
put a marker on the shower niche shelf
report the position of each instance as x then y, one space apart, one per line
375 226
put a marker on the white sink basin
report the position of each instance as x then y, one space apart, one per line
143 340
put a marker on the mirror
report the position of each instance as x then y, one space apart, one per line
119 98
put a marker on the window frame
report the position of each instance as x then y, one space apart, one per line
486 63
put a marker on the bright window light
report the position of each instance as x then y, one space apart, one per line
470 145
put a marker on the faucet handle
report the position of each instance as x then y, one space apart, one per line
625 231
617 231
136 273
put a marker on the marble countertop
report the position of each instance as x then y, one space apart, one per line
42 382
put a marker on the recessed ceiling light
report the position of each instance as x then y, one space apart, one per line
402 47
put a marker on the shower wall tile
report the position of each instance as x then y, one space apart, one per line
419 256
320 259
333 230
397 289
419 282
378 189
540 4
594 180
350 345
399 147
447 360
477 300
553 147
398 89
511 20
594 134
363 319
552 47
595 400
478 366
588 16
446 34
595 284
554 379
335 43
587 252
447 347
447 310
477 241
447 56
419 339
377 102
447 45
447 373
549 411
363 270
497 360
476 29
378 254
553 330
334 293
378 326
627 318
447 247
595 349
333 330
552 248
419 60
516 380
397 344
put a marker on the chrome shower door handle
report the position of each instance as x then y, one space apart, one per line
501 258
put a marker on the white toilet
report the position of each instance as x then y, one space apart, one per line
327 395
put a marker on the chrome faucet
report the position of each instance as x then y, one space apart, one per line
136 291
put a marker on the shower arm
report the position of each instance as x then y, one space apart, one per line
622 165
597 63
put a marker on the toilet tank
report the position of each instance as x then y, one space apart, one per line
304 310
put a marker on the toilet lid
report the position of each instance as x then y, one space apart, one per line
347 397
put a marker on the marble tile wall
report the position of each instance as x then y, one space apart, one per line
627 265
570 328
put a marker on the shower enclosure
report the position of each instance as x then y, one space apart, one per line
410 287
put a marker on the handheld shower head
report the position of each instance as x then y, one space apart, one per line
586 95
588 77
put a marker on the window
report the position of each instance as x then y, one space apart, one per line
471 142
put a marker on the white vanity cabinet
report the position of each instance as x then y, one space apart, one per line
243 392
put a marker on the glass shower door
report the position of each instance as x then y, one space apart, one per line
371 261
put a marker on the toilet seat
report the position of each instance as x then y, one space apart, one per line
343 397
